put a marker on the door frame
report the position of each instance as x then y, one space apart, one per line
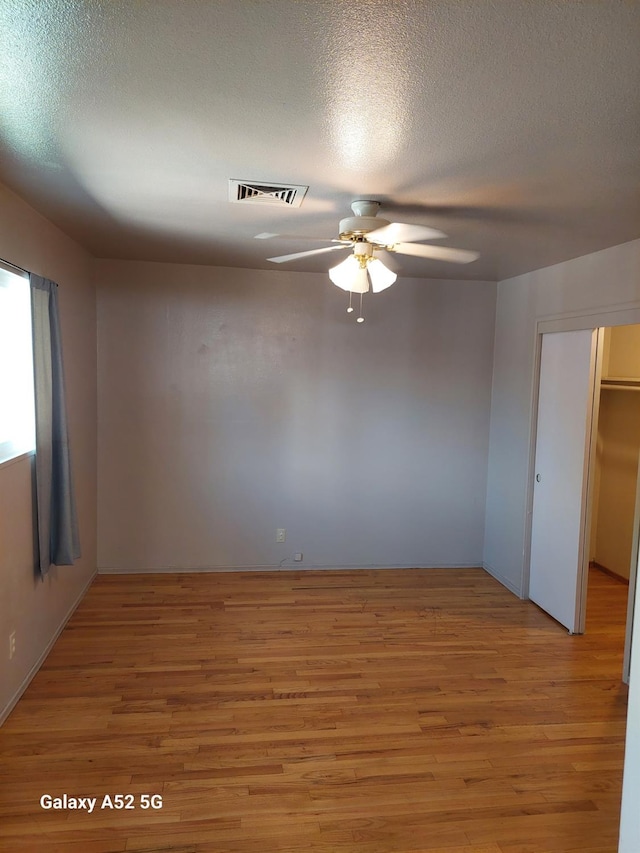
570 322
633 581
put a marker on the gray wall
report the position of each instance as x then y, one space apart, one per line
233 402
606 280
35 609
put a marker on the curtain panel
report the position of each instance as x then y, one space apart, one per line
57 537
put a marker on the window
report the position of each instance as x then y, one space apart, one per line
17 416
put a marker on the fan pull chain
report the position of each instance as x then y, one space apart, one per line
350 309
360 318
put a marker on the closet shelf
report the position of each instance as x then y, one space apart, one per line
620 383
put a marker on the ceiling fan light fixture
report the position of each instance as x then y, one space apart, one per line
350 275
381 276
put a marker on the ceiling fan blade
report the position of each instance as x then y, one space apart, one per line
281 259
403 232
267 235
437 253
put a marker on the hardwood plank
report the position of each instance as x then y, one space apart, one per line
404 711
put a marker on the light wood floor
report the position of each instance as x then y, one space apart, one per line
328 712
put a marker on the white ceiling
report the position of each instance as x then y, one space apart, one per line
512 125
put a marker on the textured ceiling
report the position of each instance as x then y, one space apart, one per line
512 125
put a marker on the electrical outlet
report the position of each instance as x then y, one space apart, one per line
298 557
281 534
12 644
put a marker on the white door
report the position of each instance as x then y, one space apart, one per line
557 579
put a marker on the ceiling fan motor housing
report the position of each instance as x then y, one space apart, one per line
365 220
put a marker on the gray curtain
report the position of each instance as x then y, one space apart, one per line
57 534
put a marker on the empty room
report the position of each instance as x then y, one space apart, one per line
319 481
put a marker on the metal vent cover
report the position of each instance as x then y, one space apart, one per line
256 192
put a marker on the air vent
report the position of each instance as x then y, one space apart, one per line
251 192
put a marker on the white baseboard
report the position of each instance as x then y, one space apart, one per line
4 713
502 579
290 567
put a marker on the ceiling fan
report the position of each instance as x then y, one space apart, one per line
366 234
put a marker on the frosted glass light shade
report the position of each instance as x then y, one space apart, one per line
381 276
350 276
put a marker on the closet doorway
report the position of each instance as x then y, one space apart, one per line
615 494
